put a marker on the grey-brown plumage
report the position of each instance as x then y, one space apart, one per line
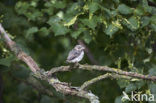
76 54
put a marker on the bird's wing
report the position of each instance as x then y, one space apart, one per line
73 54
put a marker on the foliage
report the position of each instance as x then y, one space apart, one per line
119 33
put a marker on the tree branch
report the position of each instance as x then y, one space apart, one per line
18 52
101 77
103 68
118 71
58 85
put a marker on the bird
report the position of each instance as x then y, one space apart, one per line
76 54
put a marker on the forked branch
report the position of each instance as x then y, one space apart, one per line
62 87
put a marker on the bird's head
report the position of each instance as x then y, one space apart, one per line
79 47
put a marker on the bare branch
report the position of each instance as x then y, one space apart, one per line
58 69
67 89
104 68
18 52
101 77
117 71
58 85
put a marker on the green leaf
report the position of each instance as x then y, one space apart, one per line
91 23
152 87
118 99
122 83
48 4
87 37
132 23
44 31
130 87
71 22
53 20
153 19
59 29
75 34
31 31
111 29
153 22
153 26
124 9
145 21
139 11
152 71
35 15
59 4
48 11
146 7
139 84
93 7
21 7
72 8
7 61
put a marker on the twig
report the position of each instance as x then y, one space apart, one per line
58 85
88 52
96 79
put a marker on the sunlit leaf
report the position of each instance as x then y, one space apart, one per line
111 29
132 23
71 22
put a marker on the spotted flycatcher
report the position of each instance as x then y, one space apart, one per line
76 54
